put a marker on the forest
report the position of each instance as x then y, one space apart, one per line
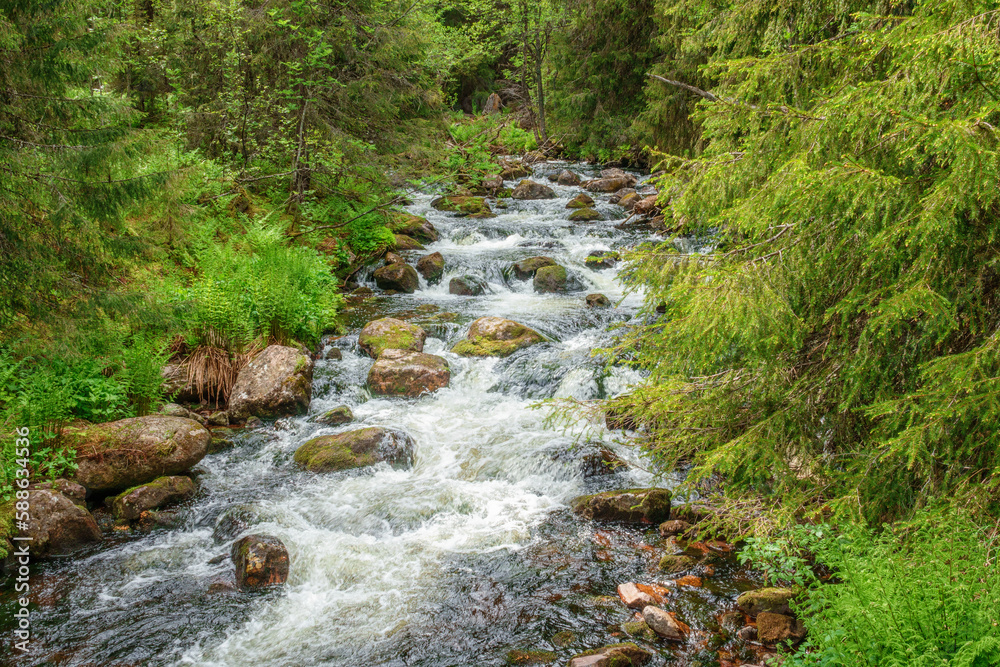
802 339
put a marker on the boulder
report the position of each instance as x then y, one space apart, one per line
617 197
582 200
532 157
405 373
462 204
773 600
597 301
218 418
161 492
404 242
639 630
57 525
550 279
645 206
339 415
515 171
71 490
664 624
612 184
355 449
496 337
174 410
492 105
629 505
467 286
532 190
773 628
334 354
392 258
634 598
234 521
601 259
585 215
389 333
674 563
277 382
128 452
567 177
526 268
674 527
413 226
616 655
178 386
629 201
493 183
431 267
261 562
397 277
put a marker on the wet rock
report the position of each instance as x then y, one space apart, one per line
567 177
276 383
174 410
645 206
633 598
629 201
355 449
234 521
617 197
178 386
151 520
674 527
413 226
773 600
773 628
616 655
639 630
601 259
582 200
253 422
404 242
261 562
690 581
731 621
526 268
550 279
606 184
389 333
397 277
431 267
461 204
585 215
406 373
128 452
630 506
334 354
601 462
533 157
747 634
563 639
339 415
496 337
363 293
515 171
467 286
392 258
493 183
57 526
220 418
75 492
674 563
128 506
532 190
664 624
597 301
519 657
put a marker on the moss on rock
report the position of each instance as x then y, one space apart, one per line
630 506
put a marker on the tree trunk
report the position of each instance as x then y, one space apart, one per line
540 96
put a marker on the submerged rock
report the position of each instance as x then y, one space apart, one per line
406 373
496 337
582 200
261 562
334 354
674 563
339 415
276 383
567 177
397 277
774 600
161 492
532 190
431 267
616 655
389 333
630 505
519 657
639 630
57 525
526 268
355 449
585 215
467 286
128 452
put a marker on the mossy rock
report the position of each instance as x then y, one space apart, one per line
404 242
470 206
585 215
639 630
617 655
130 505
582 200
563 639
431 267
550 279
519 657
355 449
496 337
628 506
389 333
676 563
526 268
397 278
602 259
773 600
413 226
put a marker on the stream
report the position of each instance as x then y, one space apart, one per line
455 561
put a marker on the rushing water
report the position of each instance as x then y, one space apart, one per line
467 554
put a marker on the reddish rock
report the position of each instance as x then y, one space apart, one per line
406 373
773 628
665 624
261 562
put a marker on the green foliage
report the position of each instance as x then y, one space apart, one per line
924 594
840 344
